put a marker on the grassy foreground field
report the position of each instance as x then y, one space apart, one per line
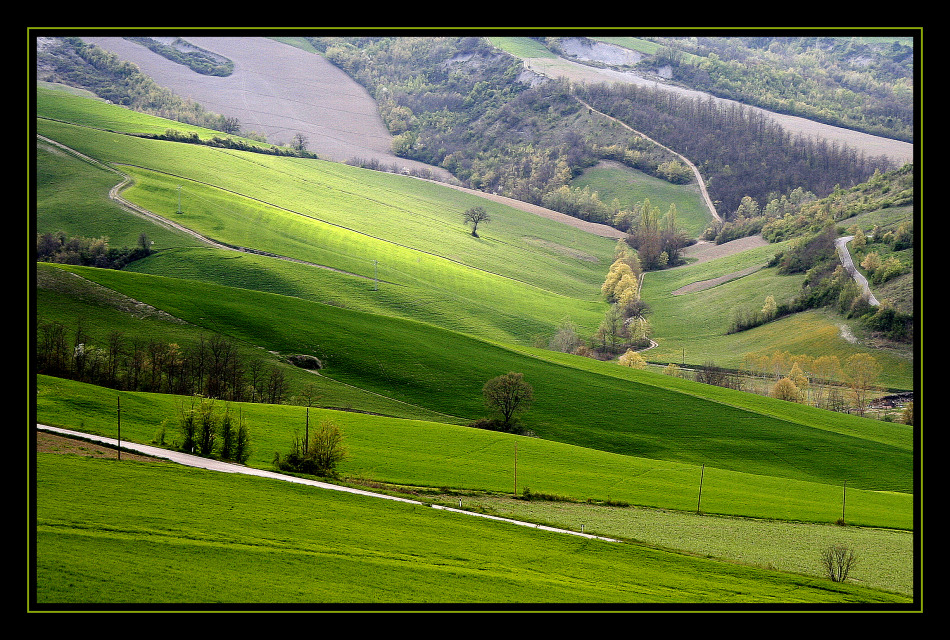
224 538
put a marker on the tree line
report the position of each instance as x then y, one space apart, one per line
211 367
852 82
173 135
88 252
72 62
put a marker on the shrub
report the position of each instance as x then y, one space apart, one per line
319 456
785 389
838 561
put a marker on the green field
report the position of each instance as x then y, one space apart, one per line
631 187
223 538
410 315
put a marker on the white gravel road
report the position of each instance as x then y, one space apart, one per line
226 467
841 244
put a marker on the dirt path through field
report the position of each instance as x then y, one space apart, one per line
841 244
896 150
692 167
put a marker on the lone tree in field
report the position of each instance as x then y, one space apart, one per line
475 215
838 561
508 394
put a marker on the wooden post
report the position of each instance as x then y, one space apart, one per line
306 432
516 469
699 502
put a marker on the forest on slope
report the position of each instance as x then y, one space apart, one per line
859 80
462 105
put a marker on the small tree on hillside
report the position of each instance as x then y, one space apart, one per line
474 216
785 389
508 394
838 560
632 359
862 371
319 456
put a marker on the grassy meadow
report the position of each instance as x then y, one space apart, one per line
410 315
631 187
225 538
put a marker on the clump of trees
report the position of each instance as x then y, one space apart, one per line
658 240
88 252
743 320
624 325
212 367
318 453
208 432
632 359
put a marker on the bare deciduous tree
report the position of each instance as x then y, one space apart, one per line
837 561
474 216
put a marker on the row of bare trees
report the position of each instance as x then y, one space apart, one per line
824 381
212 367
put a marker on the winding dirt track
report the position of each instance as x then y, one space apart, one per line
841 244
696 175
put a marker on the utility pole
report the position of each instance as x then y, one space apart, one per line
700 501
179 199
375 275
118 418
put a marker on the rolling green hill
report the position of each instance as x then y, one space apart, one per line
443 371
410 315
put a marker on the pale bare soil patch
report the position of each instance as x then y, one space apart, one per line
52 443
278 91
708 284
704 250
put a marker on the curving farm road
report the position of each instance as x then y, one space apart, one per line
698 176
841 244
227 467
